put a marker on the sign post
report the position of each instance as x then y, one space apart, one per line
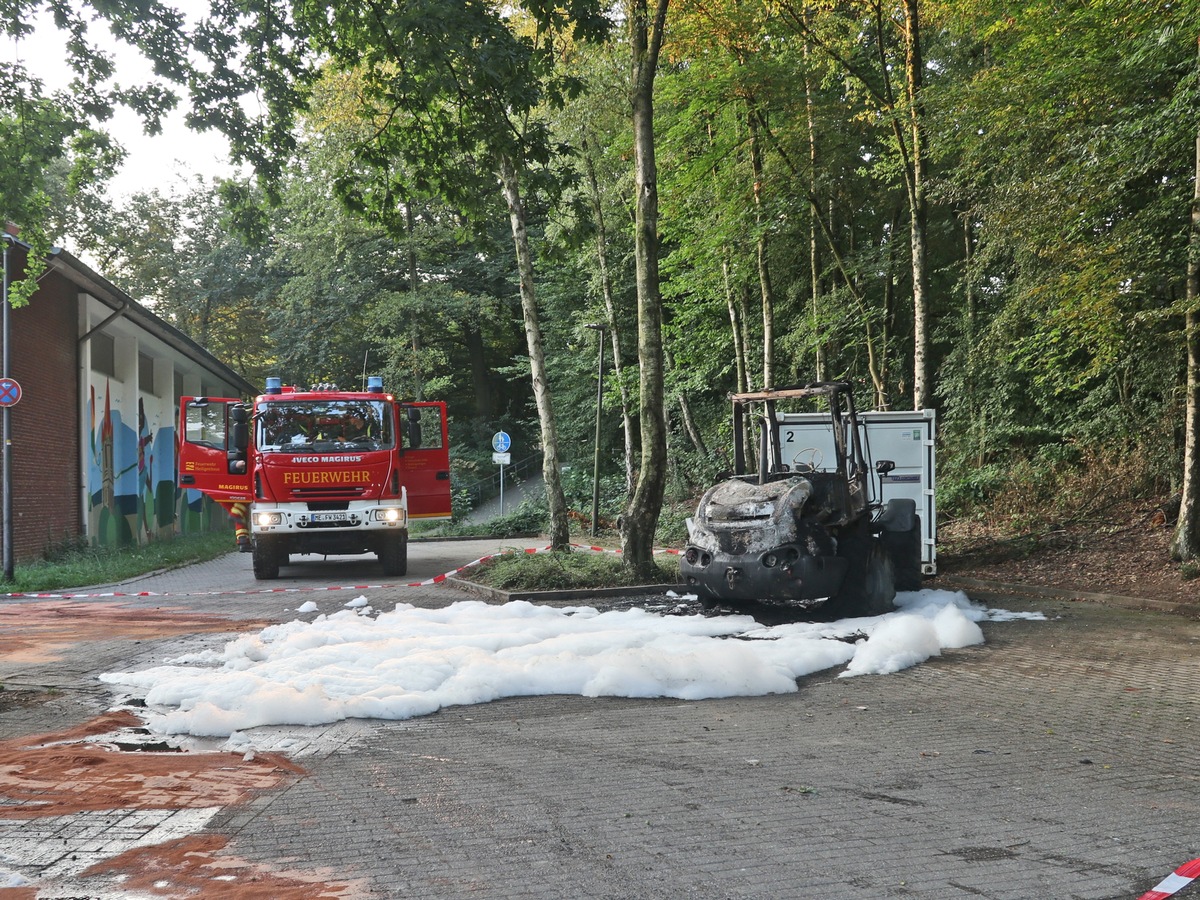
501 443
12 392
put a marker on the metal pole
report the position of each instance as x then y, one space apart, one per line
6 475
599 398
502 489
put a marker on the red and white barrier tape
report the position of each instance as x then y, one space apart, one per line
1175 882
611 550
437 579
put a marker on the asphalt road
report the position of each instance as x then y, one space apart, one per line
1058 760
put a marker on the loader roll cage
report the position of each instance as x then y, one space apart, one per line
847 442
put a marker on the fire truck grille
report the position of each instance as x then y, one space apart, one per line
317 494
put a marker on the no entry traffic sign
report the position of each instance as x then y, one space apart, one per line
10 392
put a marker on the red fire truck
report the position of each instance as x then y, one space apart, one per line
323 471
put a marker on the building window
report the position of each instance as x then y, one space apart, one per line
104 355
146 374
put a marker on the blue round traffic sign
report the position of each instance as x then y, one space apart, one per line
10 392
501 442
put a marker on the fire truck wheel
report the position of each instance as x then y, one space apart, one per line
393 554
266 559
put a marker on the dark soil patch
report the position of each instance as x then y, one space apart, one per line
1127 555
19 699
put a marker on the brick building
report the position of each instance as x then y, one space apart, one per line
93 434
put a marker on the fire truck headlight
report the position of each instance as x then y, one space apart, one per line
270 518
391 514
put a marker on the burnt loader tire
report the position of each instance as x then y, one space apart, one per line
904 549
869 586
393 554
266 558
880 588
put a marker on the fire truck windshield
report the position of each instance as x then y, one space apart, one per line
323 426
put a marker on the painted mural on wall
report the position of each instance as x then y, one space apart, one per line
132 497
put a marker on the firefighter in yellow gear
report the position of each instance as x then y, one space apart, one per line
240 513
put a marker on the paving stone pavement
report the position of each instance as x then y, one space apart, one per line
1058 760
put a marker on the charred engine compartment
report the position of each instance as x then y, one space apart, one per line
769 542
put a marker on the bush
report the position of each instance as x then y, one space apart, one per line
577 490
672 523
550 571
971 492
1049 487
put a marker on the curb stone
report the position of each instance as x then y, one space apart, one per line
997 590
981 588
500 596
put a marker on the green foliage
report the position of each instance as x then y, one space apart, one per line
671 530
1061 146
181 255
530 517
577 488
57 156
963 493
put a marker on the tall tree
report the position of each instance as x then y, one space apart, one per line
845 35
1186 542
916 185
647 26
560 536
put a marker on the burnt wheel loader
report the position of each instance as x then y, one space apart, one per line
802 533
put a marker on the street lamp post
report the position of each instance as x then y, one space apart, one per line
599 329
6 467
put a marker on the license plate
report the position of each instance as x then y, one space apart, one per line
328 517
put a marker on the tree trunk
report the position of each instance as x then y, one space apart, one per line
560 535
638 523
689 425
918 208
735 321
764 274
610 309
735 326
856 293
911 146
971 396
740 350
814 243
414 282
481 376
882 399
1185 545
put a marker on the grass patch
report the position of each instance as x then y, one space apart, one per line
83 566
561 571
530 517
